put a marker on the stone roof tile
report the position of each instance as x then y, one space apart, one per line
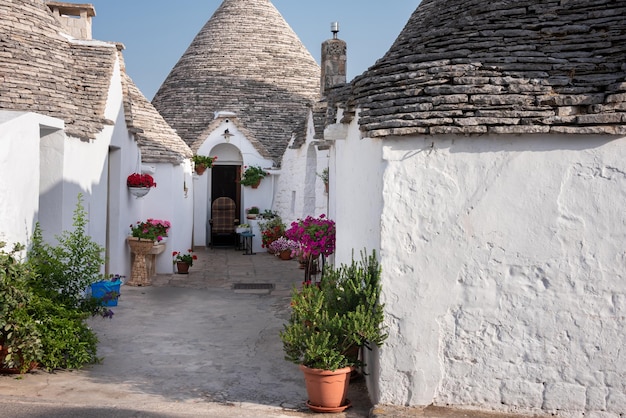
44 71
247 60
473 67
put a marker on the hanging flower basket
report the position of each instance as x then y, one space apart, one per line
140 184
202 162
139 191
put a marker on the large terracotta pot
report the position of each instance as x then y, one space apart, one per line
327 389
141 247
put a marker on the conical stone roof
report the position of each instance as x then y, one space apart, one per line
247 60
500 66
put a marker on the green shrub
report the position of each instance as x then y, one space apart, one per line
43 302
19 334
331 319
66 270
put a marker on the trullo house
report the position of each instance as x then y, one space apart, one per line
72 121
246 99
484 157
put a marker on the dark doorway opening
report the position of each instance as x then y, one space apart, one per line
224 183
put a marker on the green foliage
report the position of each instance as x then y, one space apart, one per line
43 305
19 334
66 270
324 175
330 319
68 343
203 160
252 175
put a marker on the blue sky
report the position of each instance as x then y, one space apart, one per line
156 33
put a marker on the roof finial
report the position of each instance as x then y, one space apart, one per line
334 28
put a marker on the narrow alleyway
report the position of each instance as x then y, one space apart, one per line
193 344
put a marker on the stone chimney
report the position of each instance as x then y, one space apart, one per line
334 57
75 18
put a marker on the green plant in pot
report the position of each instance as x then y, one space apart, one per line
202 162
252 176
330 321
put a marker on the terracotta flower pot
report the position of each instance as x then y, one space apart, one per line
327 389
285 255
200 169
182 267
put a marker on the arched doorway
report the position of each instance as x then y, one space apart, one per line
224 182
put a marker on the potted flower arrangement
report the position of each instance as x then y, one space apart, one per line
140 184
252 212
329 324
183 261
202 162
150 229
252 176
316 237
271 230
284 248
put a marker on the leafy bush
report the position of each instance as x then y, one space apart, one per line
331 319
43 303
19 334
66 270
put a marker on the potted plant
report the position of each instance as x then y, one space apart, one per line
241 228
316 237
252 176
252 212
154 230
284 248
324 176
329 322
271 230
107 291
202 162
140 184
184 261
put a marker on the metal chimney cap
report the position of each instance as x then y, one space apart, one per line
334 28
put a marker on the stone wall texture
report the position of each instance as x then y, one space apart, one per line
503 264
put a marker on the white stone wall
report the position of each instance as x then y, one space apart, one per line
20 136
502 265
299 190
503 272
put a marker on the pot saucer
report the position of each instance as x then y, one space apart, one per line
347 404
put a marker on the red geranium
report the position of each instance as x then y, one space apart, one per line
140 180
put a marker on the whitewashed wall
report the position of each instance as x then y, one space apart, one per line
20 138
299 190
45 171
503 272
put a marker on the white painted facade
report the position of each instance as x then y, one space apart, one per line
300 191
35 151
502 262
